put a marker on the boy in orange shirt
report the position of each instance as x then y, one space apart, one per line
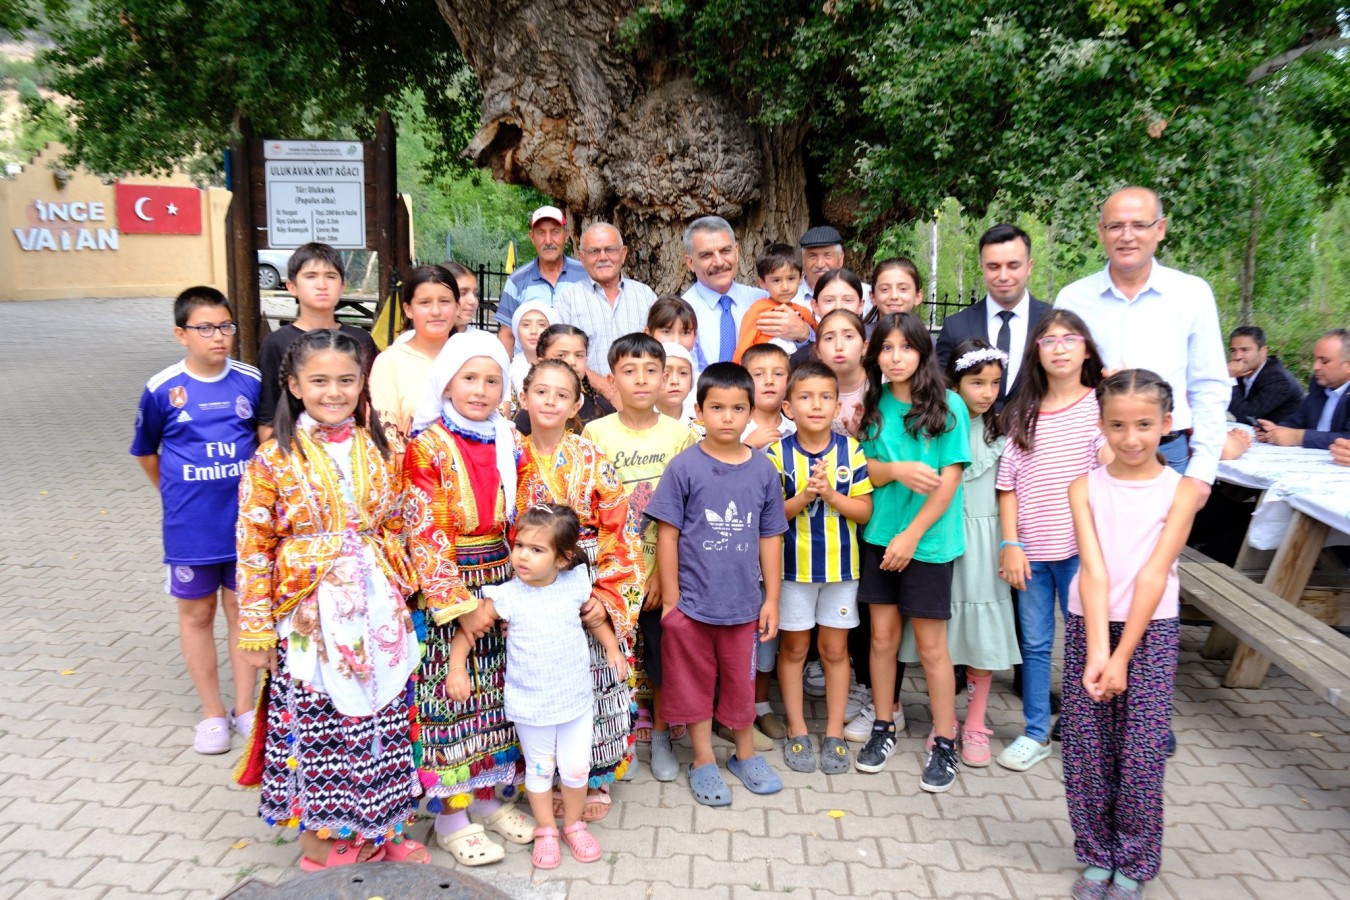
780 273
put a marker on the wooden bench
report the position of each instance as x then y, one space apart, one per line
1269 629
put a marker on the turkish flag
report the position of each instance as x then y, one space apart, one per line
154 209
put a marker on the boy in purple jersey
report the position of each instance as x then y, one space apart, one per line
195 433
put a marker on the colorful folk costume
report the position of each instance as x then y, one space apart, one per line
323 578
457 476
578 474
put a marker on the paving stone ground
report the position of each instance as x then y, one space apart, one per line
102 796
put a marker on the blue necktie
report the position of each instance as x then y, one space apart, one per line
726 347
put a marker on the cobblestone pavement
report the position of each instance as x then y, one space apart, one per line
101 794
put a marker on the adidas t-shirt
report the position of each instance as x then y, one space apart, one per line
205 432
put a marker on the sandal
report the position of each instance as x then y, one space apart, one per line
677 732
597 806
546 853
642 726
756 774
400 848
585 848
511 823
708 786
471 846
341 853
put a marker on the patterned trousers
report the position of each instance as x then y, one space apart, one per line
1115 753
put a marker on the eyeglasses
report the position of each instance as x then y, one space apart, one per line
602 251
226 328
1068 341
1116 229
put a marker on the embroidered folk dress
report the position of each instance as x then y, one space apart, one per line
323 577
457 539
578 475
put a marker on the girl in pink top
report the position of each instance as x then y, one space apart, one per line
1131 517
1051 423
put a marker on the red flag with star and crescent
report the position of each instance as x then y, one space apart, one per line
155 209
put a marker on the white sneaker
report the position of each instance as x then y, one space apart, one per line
813 680
859 728
858 697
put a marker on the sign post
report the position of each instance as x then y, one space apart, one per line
288 193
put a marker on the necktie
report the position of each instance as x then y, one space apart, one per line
726 347
1004 343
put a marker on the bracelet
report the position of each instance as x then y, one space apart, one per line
1018 544
453 668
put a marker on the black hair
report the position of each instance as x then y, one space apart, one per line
929 414
670 310
755 351
553 332
1024 407
195 298
991 422
847 276
311 252
457 269
775 256
637 345
1143 382
544 365
421 275
1001 234
728 376
288 413
1254 332
562 526
810 369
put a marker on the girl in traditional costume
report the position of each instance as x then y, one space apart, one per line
323 582
460 484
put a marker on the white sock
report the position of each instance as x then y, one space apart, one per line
763 709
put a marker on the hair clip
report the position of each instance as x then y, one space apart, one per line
543 507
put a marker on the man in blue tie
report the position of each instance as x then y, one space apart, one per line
719 301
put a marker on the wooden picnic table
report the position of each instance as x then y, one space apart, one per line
1304 508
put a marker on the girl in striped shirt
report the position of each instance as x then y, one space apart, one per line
1051 423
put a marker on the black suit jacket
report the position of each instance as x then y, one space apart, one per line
1275 394
973 322
1310 411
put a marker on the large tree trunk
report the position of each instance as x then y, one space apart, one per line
621 139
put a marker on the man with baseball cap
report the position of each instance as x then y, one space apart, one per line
538 279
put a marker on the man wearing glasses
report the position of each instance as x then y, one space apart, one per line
1144 315
604 304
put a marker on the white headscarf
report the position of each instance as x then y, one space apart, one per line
530 306
457 351
678 351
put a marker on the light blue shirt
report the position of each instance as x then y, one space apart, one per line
527 284
1171 328
1329 410
704 300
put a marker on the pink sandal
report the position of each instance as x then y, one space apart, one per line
340 853
400 848
546 853
585 848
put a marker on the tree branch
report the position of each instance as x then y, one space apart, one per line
1274 64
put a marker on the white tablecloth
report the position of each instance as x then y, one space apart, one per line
1293 478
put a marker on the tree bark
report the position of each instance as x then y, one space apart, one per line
618 138
1249 261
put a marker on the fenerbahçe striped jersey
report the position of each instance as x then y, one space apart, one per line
821 545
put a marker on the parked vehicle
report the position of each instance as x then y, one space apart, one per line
272 269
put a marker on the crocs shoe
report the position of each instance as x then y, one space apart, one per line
663 763
212 737
1023 753
834 756
799 754
756 774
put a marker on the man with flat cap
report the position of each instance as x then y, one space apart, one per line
822 250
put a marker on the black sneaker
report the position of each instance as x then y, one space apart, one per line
879 747
939 773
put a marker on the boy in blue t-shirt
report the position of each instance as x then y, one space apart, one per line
195 433
720 523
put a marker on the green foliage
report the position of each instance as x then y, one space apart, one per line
154 84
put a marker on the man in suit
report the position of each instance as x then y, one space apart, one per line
1265 389
1324 416
1008 312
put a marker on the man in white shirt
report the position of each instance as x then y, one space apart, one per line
719 301
1144 315
606 304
